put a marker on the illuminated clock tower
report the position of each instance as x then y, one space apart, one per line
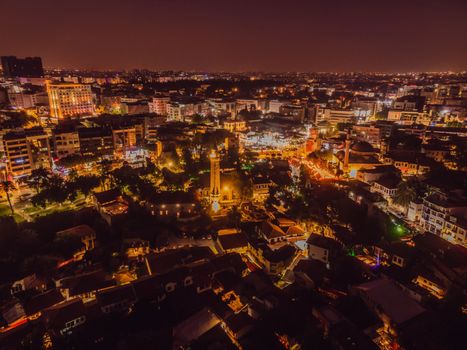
215 181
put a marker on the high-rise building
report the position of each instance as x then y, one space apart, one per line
28 67
26 150
68 100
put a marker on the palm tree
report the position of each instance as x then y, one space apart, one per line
7 187
405 193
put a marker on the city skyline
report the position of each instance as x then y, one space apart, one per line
317 36
235 175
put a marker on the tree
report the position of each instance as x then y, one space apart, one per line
190 168
39 200
126 176
105 171
382 115
7 187
454 124
197 119
233 156
73 174
144 188
174 181
85 184
38 178
404 194
235 216
57 190
408 191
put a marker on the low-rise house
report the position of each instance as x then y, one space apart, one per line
166 260
310 272
274 261
445 260
64 318
85 233
237 326
455 230
193 327
84 285
294 231
261 186
322 248
12 311
172 204
116 299
409 163
345 335
277 260
398 253
339 331
33 307
386 187
31 282
431 283
438 152
363 196
136 247
232 240
290 227
394 307
197 274
271 232
110 204
149 288
371 175
228 262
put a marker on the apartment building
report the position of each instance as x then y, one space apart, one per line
438 209
26 150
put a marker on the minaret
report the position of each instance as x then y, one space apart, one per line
347 153
215 182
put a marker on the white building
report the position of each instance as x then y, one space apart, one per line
387 187
437 210
414 212
275 106
335 116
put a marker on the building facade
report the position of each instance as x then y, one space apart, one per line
28 67
26 151
67 100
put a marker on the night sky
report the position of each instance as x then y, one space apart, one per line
241 35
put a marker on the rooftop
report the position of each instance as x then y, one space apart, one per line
386 296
